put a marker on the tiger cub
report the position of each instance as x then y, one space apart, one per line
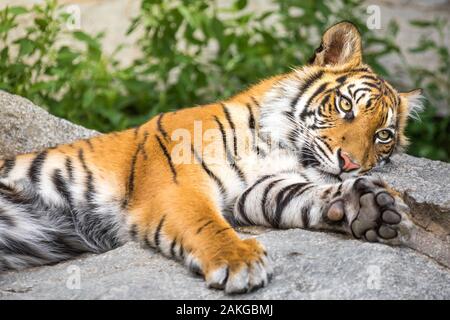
289 152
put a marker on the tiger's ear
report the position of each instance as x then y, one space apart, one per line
414 102
341 44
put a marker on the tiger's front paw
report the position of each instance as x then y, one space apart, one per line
241 268
372 210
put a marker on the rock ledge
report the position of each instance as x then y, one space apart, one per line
308 265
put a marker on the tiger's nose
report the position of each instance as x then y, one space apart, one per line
346 163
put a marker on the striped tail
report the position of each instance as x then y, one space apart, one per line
50 210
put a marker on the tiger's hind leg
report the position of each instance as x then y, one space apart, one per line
192 230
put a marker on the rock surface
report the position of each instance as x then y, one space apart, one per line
308 265
425 185
25 128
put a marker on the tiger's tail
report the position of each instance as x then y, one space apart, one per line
53 207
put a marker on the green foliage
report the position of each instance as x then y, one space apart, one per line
192 52
430 137
79 82
199 52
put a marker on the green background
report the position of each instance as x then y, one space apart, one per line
85 85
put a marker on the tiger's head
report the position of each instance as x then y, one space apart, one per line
341 117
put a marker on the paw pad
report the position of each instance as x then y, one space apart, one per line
377 215
372 210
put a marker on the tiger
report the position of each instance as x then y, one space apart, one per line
292 151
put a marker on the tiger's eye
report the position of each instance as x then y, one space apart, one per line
345 105
384 135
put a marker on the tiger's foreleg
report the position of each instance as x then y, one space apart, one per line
363 207
189 227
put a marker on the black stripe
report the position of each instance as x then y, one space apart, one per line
136 131
362 69
131 178
307 157
230 158
168 158
181 251
232 126
24 200
252 126
369 105
255 102
251 117
243 197
208 171
360 89
6 188
338 191
134 232
6 219
69 168
172 247
141 146
372 85
157 238
283 200
61 186
305 85
303 190
304 176
90 191
222 230
342 79
224 135
324 141
89 143
305 216
325 100
362 96
264 208
259 151
147 242
369 77
36 165
319 152
160 127
292 136
318 91
203 226
8 165
15 247
349 87
322 150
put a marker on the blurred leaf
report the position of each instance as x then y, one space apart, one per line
17 10
422 23
240 4
26 46
42 23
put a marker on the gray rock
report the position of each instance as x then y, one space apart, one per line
425 186
25 128
308 265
